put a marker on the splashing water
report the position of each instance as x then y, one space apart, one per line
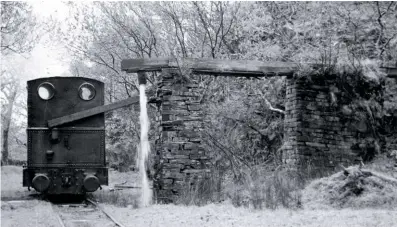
146 193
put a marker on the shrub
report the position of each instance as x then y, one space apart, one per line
198 190
266 189
352 188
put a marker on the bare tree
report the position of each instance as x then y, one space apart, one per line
18 34
9 91
217 20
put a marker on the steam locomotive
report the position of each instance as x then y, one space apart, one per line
66 136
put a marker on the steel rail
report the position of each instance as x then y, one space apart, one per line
103 211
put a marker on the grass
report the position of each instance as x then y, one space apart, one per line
225 215
221 214
121 198
11 184
30 213
261 188
375 186
256 188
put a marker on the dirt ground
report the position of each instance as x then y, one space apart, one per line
226 215
27 213
17 211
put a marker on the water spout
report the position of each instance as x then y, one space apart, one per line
146 195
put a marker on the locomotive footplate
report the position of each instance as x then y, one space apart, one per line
65 180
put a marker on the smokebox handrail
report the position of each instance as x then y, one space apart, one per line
222 67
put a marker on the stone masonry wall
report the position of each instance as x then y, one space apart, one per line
181 161
316 139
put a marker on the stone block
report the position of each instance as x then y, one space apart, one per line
314 144
172 123
176 112
188 134
184 161
171 146
177 98
180 139
173 175
196 171
195 140
180 152
173 156
194 107
166 181
189 118
191 85
172 165
191 146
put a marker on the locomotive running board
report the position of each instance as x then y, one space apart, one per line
91 112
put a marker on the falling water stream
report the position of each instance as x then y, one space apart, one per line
146 193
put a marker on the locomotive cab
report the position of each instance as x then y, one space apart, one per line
68 158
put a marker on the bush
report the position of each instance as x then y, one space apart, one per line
255 188
266 189
199 190
352 188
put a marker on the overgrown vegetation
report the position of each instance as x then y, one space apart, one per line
354 187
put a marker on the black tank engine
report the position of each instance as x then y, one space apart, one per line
67 158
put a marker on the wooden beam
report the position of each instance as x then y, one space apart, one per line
236 67
223 67
212 66
91 112
144 64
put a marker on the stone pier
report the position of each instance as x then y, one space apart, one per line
317 136
181 160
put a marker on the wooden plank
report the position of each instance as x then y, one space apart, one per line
91 112
235 67
223 67
245 68
142 64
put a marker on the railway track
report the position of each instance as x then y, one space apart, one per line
85 214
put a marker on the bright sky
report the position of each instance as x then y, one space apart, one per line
47 59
